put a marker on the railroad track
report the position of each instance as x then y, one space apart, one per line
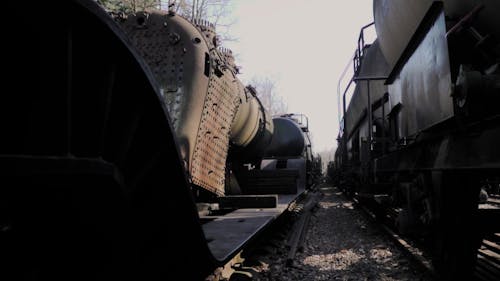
487 266
280 235
276 235
414 252
488 254
488 259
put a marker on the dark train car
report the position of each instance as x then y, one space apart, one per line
419 136
133 152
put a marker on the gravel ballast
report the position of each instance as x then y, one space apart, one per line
341 244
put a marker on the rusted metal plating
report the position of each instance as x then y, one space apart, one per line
201 91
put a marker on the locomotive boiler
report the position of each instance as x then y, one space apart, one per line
419 135
208 105
220 124
135 152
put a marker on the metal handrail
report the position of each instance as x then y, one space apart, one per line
344 72
356 60
360 51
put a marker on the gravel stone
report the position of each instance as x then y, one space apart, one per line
341 244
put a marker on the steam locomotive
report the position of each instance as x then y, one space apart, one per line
134 152
418 139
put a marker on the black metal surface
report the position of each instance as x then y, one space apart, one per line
463 149
248 201
279 181
288 139
423 28
421 79
92 185
225 244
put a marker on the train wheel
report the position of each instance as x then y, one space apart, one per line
455 232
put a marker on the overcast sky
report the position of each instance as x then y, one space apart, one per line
303 45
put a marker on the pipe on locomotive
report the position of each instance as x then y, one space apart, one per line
209 107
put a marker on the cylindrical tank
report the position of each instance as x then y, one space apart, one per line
252 128
250 118
397 20
246 122
288 139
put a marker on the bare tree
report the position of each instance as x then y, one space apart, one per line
211 10
266 91
129 6
215 11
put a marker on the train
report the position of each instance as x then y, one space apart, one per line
131 150
421 124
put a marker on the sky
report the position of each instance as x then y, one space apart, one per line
303 45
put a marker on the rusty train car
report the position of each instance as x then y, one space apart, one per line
134 152
418 139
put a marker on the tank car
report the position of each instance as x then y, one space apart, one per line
133 150
418 138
